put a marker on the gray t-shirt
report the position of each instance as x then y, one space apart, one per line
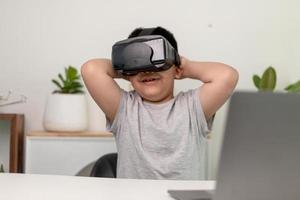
161 141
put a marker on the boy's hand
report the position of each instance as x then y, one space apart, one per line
183 61
180 69
183 66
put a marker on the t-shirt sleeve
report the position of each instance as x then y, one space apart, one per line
206 125
114 126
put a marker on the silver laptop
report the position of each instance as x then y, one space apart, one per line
260 158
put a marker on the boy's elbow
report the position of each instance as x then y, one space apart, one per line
234 76
96 67
231 77
88 68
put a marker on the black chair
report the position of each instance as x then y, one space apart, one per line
105 166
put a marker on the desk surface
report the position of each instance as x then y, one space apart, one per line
49 187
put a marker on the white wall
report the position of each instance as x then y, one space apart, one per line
38 38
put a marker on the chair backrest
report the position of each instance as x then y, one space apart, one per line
105 166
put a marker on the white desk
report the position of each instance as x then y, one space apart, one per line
51 187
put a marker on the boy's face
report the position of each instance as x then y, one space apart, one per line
156 87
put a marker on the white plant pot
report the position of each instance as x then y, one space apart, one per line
66 112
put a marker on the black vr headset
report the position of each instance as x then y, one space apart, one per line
144 53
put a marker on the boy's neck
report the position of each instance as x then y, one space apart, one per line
164 100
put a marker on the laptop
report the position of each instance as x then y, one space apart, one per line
260 153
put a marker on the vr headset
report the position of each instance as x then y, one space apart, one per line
144 53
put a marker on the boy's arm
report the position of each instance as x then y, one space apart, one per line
98 76
219 81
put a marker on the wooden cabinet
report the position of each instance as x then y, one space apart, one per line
65 153
16 140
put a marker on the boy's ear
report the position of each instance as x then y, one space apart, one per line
178 72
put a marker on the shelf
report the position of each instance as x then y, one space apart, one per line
69 134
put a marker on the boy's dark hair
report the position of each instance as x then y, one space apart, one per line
157 31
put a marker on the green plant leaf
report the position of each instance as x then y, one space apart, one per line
268 80
57 83
61 78
77 91
1 168
293 88
287 88
256 80
77 77
70 83
76 85
71 73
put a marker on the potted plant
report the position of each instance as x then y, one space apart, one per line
66 107
268 80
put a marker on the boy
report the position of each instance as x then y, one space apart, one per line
160 136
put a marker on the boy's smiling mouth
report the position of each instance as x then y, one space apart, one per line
149 79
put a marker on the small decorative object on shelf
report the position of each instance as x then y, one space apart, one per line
66 108
6 100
